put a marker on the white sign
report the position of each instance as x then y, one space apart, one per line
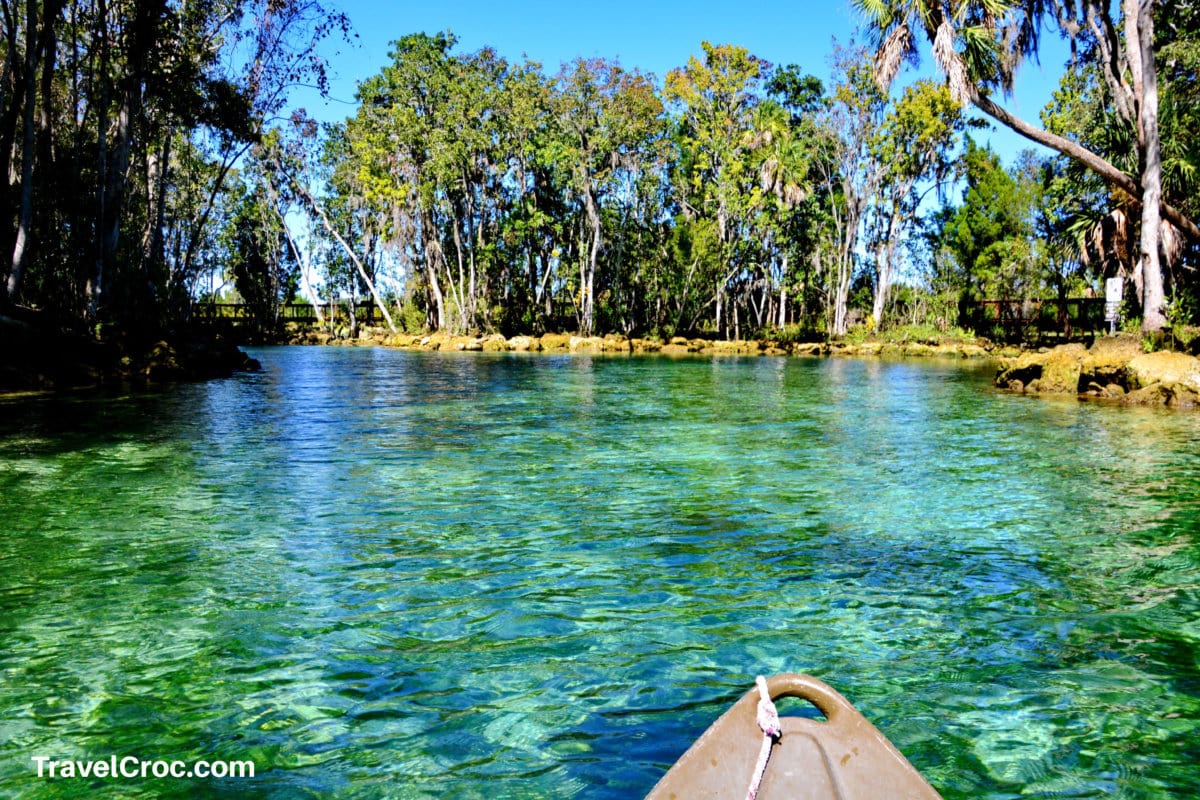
1114 289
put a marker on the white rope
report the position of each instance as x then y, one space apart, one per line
768 719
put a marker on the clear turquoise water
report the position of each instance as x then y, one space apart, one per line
388 574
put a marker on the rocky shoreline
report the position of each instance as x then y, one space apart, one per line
1114 368
678 346
38 357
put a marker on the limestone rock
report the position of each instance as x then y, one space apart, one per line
1056 371
495 344
556 342
617 344
586 344
1062 369
645 345
1148 369
523 344
1107 357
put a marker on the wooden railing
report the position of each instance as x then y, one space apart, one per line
1028 319
238 313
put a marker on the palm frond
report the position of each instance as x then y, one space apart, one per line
951 62
897 45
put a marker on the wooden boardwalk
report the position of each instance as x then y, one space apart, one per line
1023 320
238 314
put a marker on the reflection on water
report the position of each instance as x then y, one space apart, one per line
394 574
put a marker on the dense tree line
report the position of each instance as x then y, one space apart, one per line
122 127
728 200
468 192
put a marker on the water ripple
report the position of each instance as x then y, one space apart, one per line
384 574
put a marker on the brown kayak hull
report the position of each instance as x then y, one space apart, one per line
843 757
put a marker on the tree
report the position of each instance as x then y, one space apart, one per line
265 271
980 44
610 120
122 121
990 233
716 98
914 144
848 170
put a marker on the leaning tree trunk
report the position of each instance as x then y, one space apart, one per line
346 248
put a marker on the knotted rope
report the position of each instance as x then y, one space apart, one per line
768 720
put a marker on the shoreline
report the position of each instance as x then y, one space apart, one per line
615 344
38 359
1114 369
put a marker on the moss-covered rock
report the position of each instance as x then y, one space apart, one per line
617 344
645 345
809 348
586 344
1113 368
162 363
1062 369
1172 395
1056 371
495 344
555 342
1148 369
738 347
522 344
1107 358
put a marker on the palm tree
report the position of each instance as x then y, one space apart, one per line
979 45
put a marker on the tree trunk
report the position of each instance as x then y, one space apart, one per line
354 259
25 215
1086 157
439 299
1153 297
885 268
589 297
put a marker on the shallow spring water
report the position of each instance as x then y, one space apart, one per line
389 574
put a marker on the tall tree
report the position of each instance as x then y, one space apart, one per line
980 44
849 170
716 97
913 146
611 120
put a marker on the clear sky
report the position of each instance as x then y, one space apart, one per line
650 36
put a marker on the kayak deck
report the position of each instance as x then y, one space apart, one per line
843 757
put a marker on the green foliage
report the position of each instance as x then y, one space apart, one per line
412 318
992 234
807 331
125 128
925 333
858 334
264 273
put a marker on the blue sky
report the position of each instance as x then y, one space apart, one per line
651 36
